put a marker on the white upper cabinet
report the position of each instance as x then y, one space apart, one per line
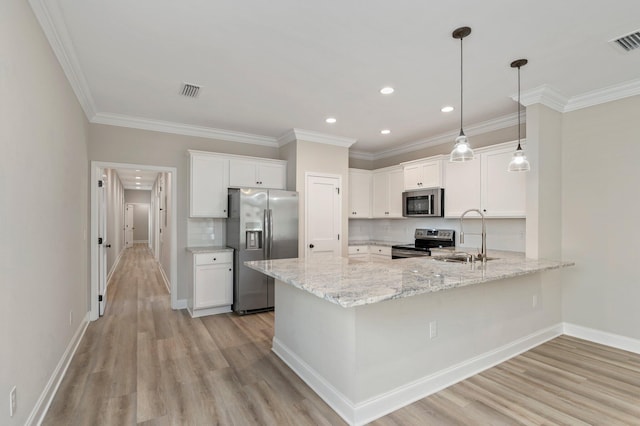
208 187
388 185
423 174
484 183
257 173
359 194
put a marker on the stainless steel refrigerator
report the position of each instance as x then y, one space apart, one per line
262 224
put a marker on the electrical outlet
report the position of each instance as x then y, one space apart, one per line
433 329
13 404
534 301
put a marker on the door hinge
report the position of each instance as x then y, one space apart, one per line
99 240
99 298
338 237
99 184
338 190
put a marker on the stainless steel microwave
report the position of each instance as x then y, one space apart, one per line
423 203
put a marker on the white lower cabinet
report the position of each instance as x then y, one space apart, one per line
212 283
370 253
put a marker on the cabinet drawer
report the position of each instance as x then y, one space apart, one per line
214 258
381 250
358 250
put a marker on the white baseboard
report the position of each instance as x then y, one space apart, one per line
602 337
46 397
167 283
181 304
367 411
113 267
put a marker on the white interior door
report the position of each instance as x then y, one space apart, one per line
323 195
128 226
102 245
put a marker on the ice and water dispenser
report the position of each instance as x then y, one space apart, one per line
253 239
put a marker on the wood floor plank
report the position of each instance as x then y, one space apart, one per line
145 364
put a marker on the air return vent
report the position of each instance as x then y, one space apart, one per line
628 42
189 90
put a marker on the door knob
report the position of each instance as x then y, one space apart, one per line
108 245
311 246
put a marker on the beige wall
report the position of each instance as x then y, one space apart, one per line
137 196
321 158
43 210
600 227
125 145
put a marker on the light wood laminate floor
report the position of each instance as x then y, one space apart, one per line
143 363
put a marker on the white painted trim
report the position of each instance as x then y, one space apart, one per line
50 389
311 136
180 304
121 120
383 404
196 313
606 94
545 95
334 398
113 267
167 283
173 282
602 337
237 157
499 123
52 23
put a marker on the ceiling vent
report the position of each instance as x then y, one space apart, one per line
189 90
629 42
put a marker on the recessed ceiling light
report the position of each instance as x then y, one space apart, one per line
446 109
137 170
331 120
138 177
137 183
387 90
385 131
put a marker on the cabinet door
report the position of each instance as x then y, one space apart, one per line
431 174
380 194
213 286
242 173
413 177
503 192
209 182
359 194
271 175
462 187
396 187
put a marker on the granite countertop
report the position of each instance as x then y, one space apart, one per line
350 282
377 243
208 249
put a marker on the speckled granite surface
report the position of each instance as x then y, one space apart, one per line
351 282
208 249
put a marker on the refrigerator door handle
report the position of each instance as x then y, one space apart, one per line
266 237
270 233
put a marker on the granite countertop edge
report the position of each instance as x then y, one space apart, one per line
208 249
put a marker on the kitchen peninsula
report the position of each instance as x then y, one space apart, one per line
371 337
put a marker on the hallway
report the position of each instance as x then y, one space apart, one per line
143 363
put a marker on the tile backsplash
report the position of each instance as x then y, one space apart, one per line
502 234
206 232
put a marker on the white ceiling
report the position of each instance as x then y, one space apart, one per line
137 179
266 67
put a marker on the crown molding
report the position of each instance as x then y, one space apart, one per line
311 136
606 94
182 129
361 155
475 129
50 19
545 95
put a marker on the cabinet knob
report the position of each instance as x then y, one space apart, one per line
229 268
214 259
311 246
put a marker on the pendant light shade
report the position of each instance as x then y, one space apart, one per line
462 150
519 162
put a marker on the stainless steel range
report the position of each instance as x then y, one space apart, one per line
426 239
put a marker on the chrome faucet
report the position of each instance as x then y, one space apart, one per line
483 253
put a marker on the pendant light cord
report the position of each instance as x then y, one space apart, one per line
461 88
519 107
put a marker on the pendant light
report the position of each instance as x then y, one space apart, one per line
519 161
461 150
